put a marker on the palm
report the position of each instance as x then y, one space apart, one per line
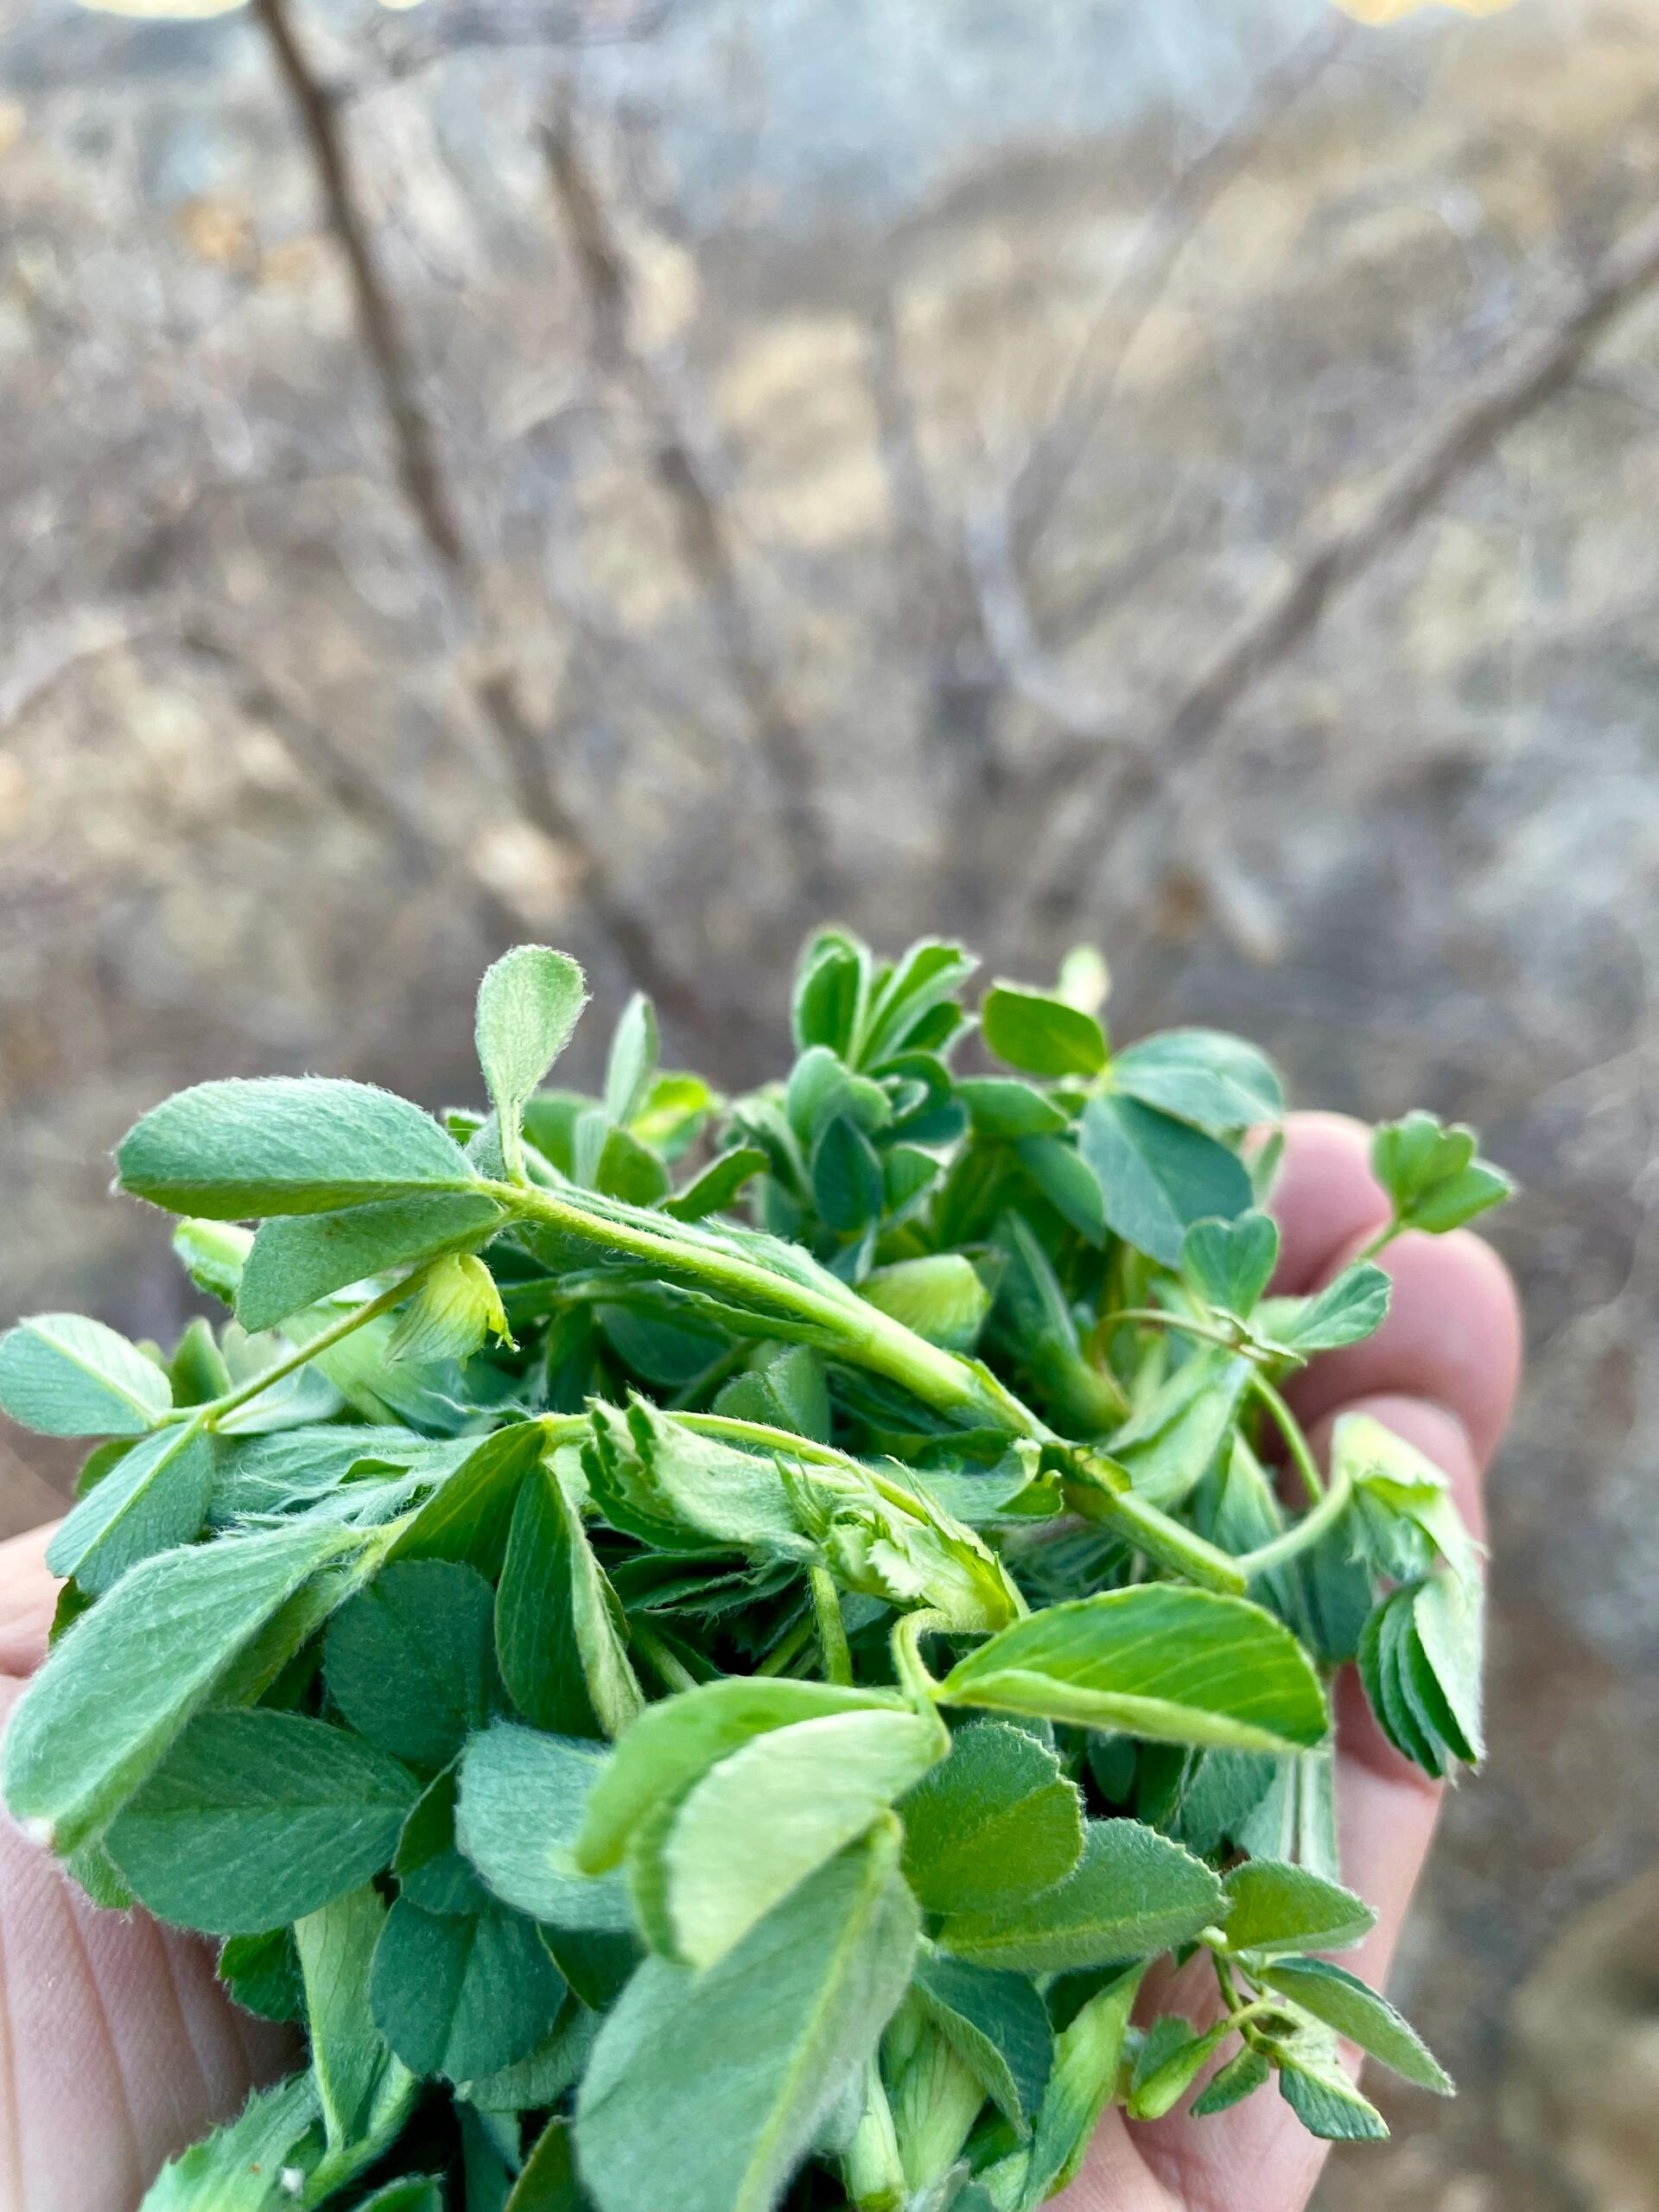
122 2024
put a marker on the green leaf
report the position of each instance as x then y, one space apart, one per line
1232 1262
1087 2057
940 1297
1327 2103
286 1144
997 1821
1274 1908
1446 1621
456 1308
299 1258
541 2078
1157 1176
468 1515
753 1827
461 1998
548 2183
410 1660
430 1870
1175 1439
118 1688
1217 1083
1068 1181
1168 2064
1000 1106
523 1797
1132 1894
562 1654
1174 1665
997 2026
348 2054
632 1061
671 1745
918 985
847 1186
1241 2078
1040 1035
528 1004
239 2168
1431 1172
788 1390
152 1500
1355 2010
793 2012
254 1818
262 1973
830 989
1345 1311
713 1191
62 1374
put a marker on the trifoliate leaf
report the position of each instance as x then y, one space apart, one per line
1132 1894
1040 1035
1176 1665
997 1821
299 1258
462 1997
1358 2011
1431 1172
1158 1176
793 2012
1218 1083
62 1374
1275 1907
410 1660
284 1144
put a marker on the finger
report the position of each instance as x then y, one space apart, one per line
1326 1200
28 1598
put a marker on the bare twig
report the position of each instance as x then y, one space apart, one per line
1092 383
524 754
418 469
1026 663
706 539
1522 377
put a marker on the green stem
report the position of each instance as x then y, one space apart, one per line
1290 1429
1168 1541
832 1630
209 1415
908 1662
1382 1240
672 1672
1160 1316
1303 1534
784 1653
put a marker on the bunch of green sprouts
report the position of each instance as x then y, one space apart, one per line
703 1649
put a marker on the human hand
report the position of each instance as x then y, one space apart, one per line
122 2024
1441 1372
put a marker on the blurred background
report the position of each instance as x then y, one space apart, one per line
653 474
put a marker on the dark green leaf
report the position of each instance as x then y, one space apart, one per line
1430 1171
1040 1035
467 1517
62 1374
548 2183
409 1662
255 1817
998 1106
1157 1176
713 1191
1132 1894
1241 2078
1345 1311
1327 2103
263 1973
830 993
462 1997
430 1870
997 2026
1232 1262
847 1186
285 1144
1068 1181
997 1821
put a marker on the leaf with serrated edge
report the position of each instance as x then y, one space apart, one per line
1132 1894
996 1821
1357 2011
154 1499
997 2026
1276 1908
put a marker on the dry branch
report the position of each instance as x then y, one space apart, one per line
707 540
1530 370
